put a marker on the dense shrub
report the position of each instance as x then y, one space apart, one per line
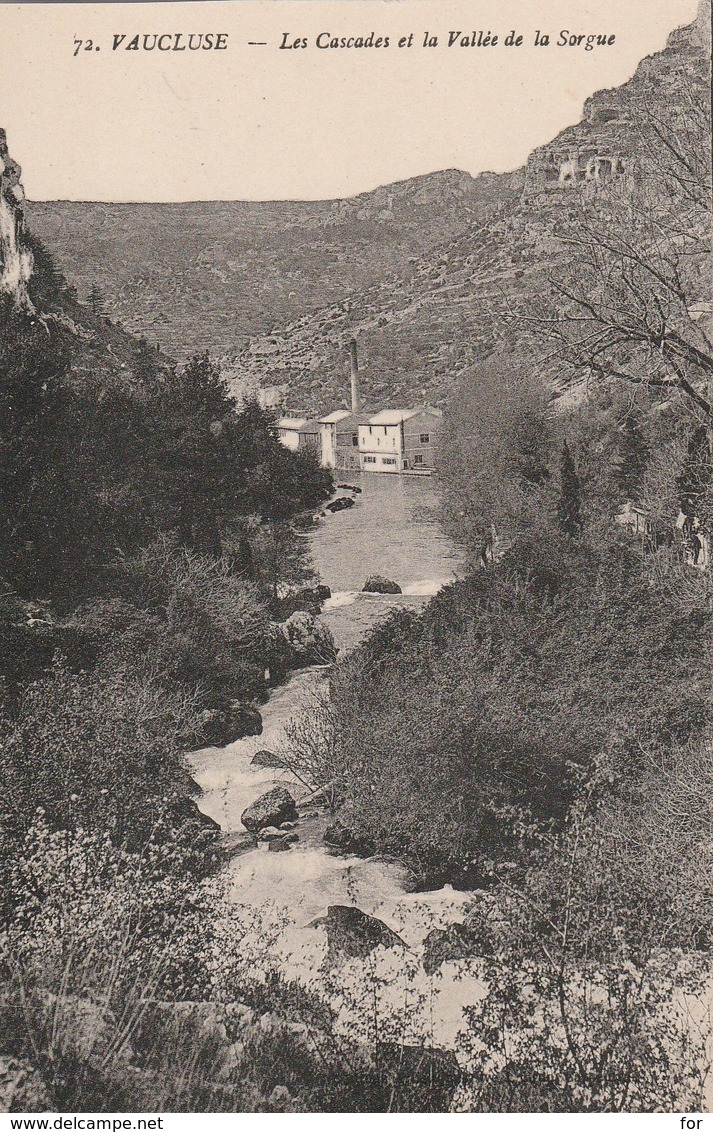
452 732
95 751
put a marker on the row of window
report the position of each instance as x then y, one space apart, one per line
418 459
424 438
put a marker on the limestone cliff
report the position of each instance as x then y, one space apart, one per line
603 145
15 255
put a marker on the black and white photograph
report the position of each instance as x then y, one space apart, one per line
356 595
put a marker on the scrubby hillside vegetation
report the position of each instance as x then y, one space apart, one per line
184 274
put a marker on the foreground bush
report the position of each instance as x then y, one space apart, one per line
100 752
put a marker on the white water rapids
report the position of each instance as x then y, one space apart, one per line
392 531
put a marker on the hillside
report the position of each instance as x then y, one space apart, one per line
409 269
418 331
208 275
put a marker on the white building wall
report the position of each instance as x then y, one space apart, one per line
380 448
328 438
290 437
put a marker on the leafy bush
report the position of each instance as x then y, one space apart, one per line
96 751
594 973
452 732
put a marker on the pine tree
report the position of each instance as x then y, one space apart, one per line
695 481
569 511
634 455
47 281
242 562
97 300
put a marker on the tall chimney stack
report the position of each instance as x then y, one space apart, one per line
354 373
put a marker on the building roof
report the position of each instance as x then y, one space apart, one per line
396 416
337 415
393 416
297 424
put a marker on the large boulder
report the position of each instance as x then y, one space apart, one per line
353 934
339 836
184 810
376 584
311 599
443 945
244 718
272 808
213 726
266 759
239 841
309 641
340 504
222 725
476 937
269 833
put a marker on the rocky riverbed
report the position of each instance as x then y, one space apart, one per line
311 895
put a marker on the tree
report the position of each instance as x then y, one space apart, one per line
97 300
569 511
42 517
201 386
695 481
634 456
47 282
496 451
281 558
622 307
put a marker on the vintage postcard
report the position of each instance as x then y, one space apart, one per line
356 506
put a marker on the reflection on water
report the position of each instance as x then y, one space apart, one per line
392 530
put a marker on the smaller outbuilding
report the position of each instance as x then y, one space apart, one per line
299 434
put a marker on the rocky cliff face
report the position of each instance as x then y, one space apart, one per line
603 145
418 331
15 255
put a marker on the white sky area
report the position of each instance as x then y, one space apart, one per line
260 123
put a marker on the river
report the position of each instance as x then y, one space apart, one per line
275 897
392 530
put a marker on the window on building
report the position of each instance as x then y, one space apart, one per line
425 438
418 459
370 459
355 441
388 460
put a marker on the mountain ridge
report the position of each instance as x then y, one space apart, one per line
185 274
279 288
